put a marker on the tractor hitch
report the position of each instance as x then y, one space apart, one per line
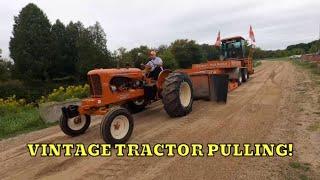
70 111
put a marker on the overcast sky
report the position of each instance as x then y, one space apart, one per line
130 23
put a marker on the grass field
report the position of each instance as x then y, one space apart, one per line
22 119
16 119
256 63
313 67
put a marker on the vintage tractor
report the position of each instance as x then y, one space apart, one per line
116 93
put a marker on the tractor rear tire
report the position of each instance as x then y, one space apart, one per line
136 106
245 75
116 126
177 94
73 126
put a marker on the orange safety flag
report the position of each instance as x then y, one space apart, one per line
218 41
251 36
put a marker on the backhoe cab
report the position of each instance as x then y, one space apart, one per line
233 48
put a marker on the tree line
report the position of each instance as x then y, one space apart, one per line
45 54
296 49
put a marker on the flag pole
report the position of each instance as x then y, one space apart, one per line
250 55
319 41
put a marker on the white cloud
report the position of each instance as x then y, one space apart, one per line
277 23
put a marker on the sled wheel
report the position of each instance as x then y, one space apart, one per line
245 75
240 79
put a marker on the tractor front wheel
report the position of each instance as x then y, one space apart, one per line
76 125
177 94
117 126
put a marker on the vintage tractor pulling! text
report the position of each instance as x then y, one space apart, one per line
116 93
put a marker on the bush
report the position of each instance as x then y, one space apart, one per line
69 92
256 63
31 93
10 105
312 66
8 88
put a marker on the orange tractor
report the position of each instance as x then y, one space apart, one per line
116 93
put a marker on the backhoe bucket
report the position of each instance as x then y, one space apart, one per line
219 87
213 87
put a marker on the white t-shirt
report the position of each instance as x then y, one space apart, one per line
153 63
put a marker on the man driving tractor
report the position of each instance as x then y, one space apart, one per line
154 66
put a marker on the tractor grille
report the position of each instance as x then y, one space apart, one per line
95 85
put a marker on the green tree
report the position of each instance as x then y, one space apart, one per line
167 57
139 55
315 47
92 50
210 52
5 68
30 44
72 36
120 56
296 51
98 36
186 52
61 64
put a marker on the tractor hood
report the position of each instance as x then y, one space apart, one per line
116 71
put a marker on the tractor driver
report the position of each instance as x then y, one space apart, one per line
154 66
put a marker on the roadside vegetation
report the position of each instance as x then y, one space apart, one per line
256 63
70 92
17 116
299 169
314 68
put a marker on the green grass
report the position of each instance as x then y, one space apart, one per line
19 119
314 127
313 67
303 177
301 166
315 71
256 63
276 59
299 170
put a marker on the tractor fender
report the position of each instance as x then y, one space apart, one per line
161 78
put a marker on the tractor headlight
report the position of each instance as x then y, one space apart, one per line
113 88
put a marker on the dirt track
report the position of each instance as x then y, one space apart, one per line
278 104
